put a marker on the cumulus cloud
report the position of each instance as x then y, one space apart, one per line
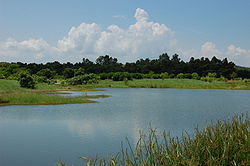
140 40
238 55
141 15
209 50
143 39
26 51
235 54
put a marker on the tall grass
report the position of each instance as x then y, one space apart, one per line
12 94
224 143
171 83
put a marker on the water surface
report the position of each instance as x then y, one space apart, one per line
42 135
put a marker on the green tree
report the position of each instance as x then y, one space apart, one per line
46 73
80 71
68 73
26 81
106 60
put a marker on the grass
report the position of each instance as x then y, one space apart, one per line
12 94
172 83
224 143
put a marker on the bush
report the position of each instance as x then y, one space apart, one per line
222 78
136 75
164 75
120 76
83 79
26 81
68 73
212 75
46 73
180 76
41 79
80 71
171 75
195 76
187 76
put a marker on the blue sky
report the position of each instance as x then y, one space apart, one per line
31 31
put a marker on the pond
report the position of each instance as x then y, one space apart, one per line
43 135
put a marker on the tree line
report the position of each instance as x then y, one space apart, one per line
173 66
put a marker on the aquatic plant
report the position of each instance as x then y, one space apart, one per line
225 143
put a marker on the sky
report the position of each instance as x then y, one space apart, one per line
68 30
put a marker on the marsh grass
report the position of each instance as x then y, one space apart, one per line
171 83
28 98
12 94
224 143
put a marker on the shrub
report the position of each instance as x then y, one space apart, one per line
136 75
41 79
83 79
180 76
46 73
26 80
120 76
68 73
80 71
187 76
164 75
155 76
171 75
195 76
222 78
212 75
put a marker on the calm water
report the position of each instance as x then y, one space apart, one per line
42 135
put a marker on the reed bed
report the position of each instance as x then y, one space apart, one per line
224 143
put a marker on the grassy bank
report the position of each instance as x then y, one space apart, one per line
224 143
12 94
172 83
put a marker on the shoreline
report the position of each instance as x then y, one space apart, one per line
12 94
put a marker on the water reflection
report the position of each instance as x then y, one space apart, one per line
69 131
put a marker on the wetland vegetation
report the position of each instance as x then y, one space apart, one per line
225 142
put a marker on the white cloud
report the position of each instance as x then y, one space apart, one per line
27 51
235 54
140 40
120 16
143 39
209 50
81 39
141 15
238 55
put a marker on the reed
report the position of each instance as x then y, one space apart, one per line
224 143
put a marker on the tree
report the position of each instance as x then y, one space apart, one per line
164 57
80 71
46 73
106 60
26 81
68 73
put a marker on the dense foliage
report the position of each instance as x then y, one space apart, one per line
83 79
26 80
109 68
